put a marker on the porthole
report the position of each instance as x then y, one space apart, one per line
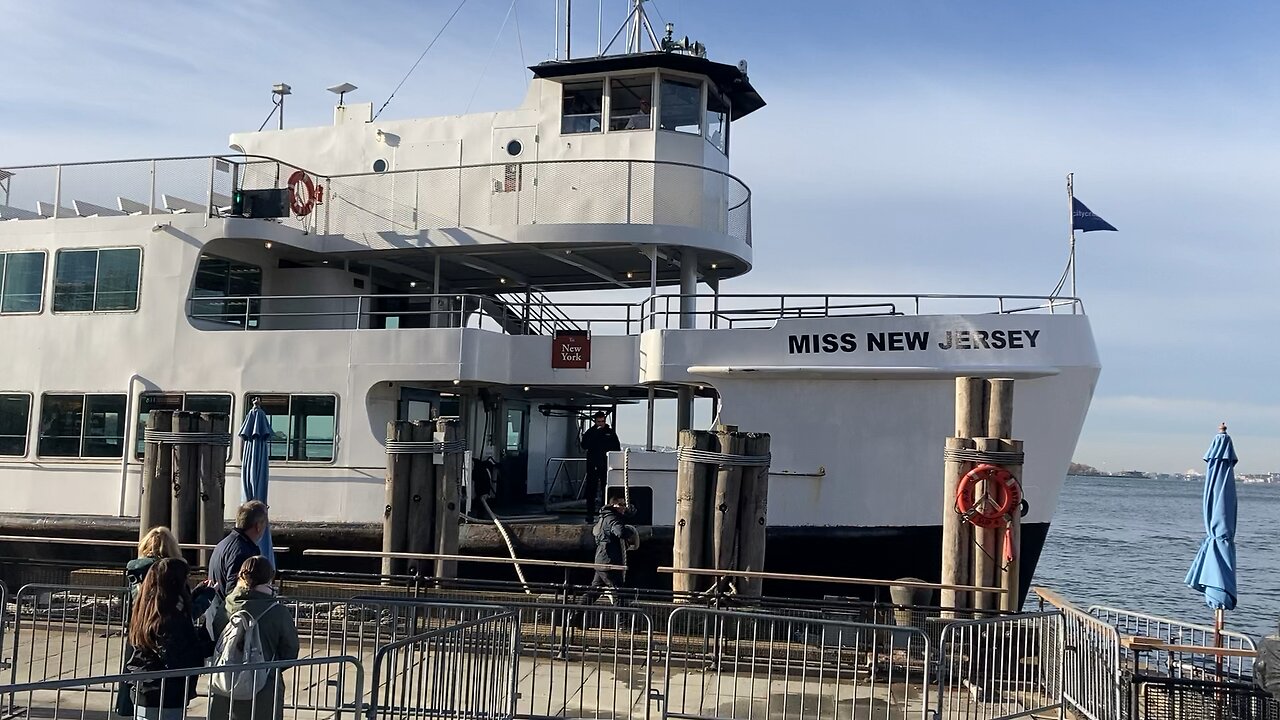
379 165
514 148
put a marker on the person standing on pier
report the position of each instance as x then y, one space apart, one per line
163 636
254 607
598 441
613 536
237 547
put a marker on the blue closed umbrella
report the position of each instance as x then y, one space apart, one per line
255 471
1214 570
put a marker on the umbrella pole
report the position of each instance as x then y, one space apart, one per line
1218 619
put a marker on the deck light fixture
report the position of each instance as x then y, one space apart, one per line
267 244
413 283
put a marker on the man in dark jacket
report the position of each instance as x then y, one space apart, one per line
240 545
598 441
612 536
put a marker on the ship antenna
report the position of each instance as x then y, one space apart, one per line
419 60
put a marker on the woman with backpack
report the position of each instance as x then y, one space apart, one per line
163 636
253 609
157 544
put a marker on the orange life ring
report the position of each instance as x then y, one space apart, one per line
1002 485
302 193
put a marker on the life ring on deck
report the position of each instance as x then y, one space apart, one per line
1002 486
302 193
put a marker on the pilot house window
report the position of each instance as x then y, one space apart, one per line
104 280
681 106
582 110
717 120
630 103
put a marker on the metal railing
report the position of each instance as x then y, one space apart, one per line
467 670
1175 632
328 688
405 202
729 665
542 316
1176 698
361 624
66 629
1000 668
1091 666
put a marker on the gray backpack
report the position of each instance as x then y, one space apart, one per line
240 644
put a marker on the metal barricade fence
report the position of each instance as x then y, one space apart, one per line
724 665
358 626
584 661
330 688
1169 698
1090 666
1000 668
1175 632
65 631
467 670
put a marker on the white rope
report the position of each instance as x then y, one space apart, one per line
507 539
688 454
181 438
984 456
416 447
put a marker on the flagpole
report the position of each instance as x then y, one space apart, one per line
1071 223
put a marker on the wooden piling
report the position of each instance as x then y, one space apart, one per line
1011 578
971 418
986 553
724 505
692 497
999 422
396 491
184 507
957 536
420 525
156 483
448 508
212 483
753 518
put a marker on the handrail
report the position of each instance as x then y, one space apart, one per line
827 579
1142 643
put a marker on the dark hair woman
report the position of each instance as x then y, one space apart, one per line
164 637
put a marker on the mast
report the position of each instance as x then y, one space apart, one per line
1071 223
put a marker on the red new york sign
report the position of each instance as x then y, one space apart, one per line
571 349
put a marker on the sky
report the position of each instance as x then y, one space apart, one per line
911 146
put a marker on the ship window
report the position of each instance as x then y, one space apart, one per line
82 426
581 110
190 402
21 282
104 280
304 427
630 103
222 291
379 165
681 106
15 417
717 120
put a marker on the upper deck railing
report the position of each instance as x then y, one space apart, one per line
406 202
538 315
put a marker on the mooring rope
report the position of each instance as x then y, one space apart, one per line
416 447
688 454
984 456
182 438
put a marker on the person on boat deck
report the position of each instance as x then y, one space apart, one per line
278 633
597 442
613 536
238 546
639 121
163 636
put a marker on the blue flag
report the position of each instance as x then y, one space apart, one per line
1086 220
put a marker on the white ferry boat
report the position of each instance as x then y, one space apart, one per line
423 267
